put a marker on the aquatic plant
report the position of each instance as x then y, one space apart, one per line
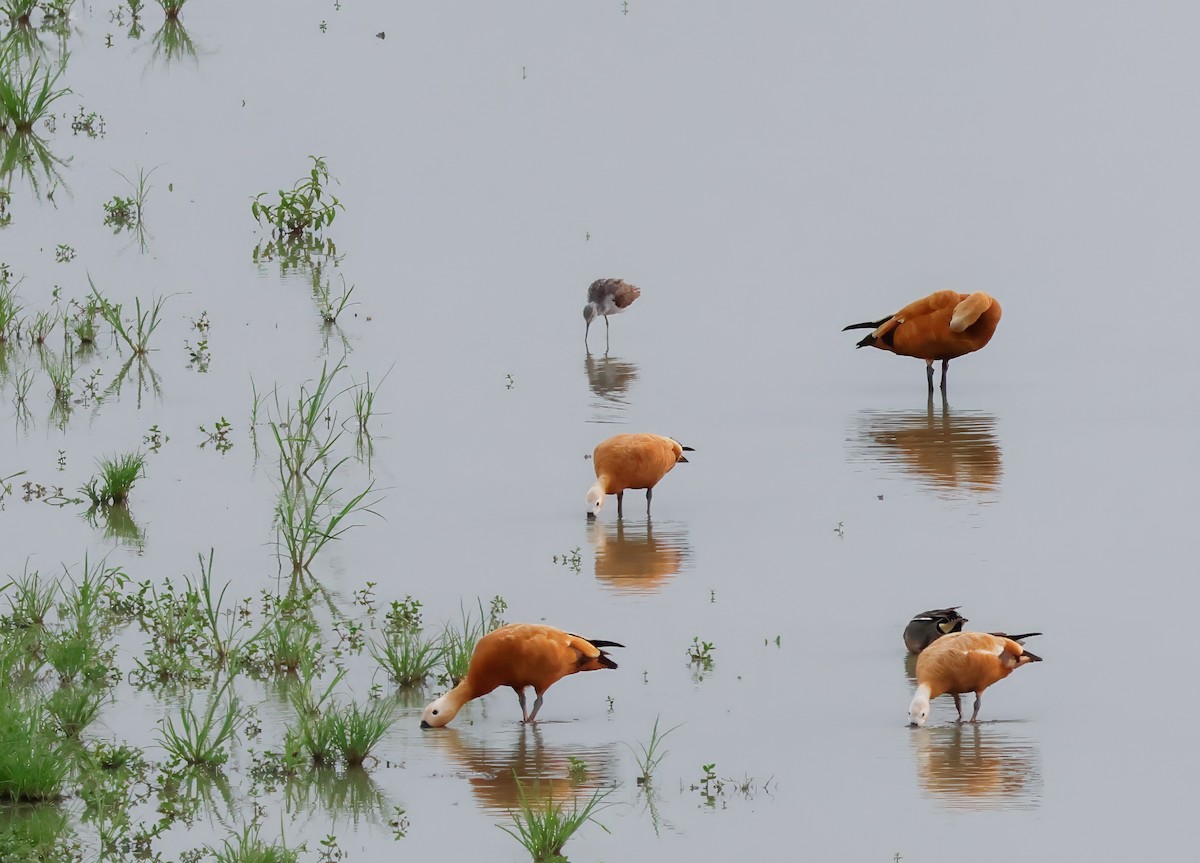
18 12
137 333
355 730
306 208
328 306
202 739
136 206
408 656
543 826
21 386
41 326
307 519
74 708
172 8
30 600
10 311
60 370
117 476
650 755
32 766
247 846
120 212
26 97
700 653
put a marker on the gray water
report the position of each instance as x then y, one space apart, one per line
766 175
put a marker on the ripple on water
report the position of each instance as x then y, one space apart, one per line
609 379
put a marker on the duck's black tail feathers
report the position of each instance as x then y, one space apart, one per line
1017 638
868 325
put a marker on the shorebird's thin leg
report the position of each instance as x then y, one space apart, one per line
649 492
606 334
537 705
620 497
521 698
958 705
945 365
978 701
929 374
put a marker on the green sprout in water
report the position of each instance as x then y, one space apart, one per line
543 826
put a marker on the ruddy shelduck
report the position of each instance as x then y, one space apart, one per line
964 662
631 461
942 326
520 655
607 297
928 626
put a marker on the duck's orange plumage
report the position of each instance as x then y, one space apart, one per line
942 326
631 461
964 662
520 655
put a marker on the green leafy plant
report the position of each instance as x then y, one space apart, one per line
543 825
408 656
306 208
61 370
248 846
33 768
10 311
172 8
120 212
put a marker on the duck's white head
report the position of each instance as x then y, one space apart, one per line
595 500
918 710
439 712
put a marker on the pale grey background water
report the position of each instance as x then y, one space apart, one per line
766 175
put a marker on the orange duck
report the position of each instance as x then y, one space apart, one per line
631 461
520 655
964 662
942 326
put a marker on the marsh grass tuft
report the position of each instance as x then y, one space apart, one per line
117 475
651 755
26 97
10 310
408 656
543 825
248 847
202 739
33 767
136 333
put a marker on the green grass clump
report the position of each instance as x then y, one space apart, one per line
403 650
117 476
202 739
136 332
543 826
26 97
33 768
10 311
248 847
74 708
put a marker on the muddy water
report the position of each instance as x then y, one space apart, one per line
766 177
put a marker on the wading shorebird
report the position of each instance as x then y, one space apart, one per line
607 297
964 662
942 326
520 655
631 461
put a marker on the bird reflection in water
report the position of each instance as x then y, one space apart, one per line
609 379
638 557
978 765
558 773
953 455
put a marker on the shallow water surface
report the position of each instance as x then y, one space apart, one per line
766 176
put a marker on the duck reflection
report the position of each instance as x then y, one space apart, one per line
978 765
609 379
637 557
950 454
551 772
